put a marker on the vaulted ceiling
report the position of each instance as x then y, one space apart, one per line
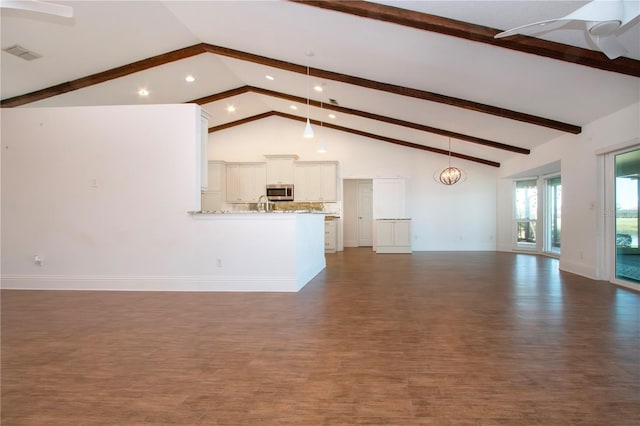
408 73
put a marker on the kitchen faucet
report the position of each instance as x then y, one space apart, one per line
263 206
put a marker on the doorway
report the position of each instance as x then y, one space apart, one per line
622 171
358 212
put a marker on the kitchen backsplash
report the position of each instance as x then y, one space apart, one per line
291 206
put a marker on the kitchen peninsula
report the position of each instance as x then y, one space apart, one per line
252 251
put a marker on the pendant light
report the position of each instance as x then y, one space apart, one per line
308 131
450 175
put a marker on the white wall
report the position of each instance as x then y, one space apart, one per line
461 217
101 194
580 207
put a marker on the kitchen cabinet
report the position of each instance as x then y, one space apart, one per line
211 201
280 169
393 236
217 176
246 182
213 198
203 143
330 236
316 181
390 198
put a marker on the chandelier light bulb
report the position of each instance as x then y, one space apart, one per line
450 176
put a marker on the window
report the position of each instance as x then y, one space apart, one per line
553 217
526 214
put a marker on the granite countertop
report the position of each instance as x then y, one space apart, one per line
196 212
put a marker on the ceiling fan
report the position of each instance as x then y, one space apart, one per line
603 19
38 6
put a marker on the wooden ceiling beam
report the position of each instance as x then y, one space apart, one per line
460 136
103 76
479 33
395 121
397 90
355 132
287 66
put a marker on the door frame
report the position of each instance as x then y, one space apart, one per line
606 215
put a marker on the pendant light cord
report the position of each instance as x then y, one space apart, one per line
308 79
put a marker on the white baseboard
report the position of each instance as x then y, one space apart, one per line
305 276
151 283
578 268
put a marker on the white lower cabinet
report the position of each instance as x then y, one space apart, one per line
246 182
330 236
393 236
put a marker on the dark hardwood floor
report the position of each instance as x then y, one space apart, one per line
457 338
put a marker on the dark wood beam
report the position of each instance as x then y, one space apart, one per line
241 121
103 76
220 96
355 132
479 33
288 66
460 136
394 121
398 90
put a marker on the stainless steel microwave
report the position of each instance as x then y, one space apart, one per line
280 192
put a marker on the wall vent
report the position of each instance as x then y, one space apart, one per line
23 53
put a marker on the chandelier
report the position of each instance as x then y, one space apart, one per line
450 175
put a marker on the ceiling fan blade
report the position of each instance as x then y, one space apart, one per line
609 45
595 11
39 6
528 28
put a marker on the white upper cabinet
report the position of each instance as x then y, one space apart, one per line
280 169
316 181
246 182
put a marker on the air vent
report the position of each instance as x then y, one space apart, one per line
333 102
23 53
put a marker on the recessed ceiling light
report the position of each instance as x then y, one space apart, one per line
189 79
293 107
269 77
317 88
332 116
231 108
143 92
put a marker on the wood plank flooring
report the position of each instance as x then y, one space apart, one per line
432 338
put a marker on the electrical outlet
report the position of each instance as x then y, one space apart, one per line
37 260
219 263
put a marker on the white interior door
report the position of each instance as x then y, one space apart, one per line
365 214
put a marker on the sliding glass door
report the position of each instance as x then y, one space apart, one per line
627 252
